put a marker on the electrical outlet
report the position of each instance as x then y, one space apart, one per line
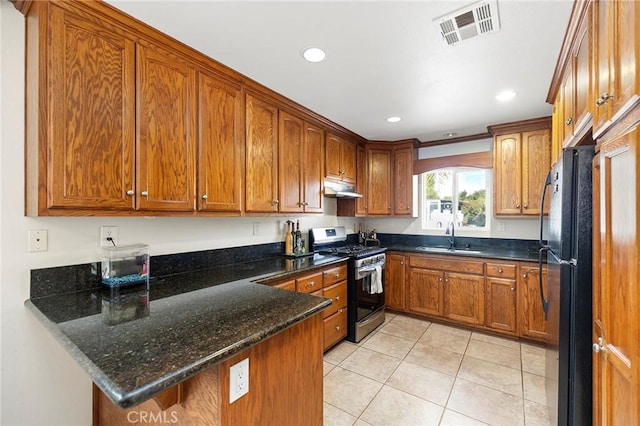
108 232
256 228
38 240
238 380
502 227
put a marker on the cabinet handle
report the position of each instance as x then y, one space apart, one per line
524 275
599 346
440 279
402 263
513 289
131 192
144 193
446 280
312 283
337 275
603 99
526 206
276 201
500 271
518 206
205 197
568 121
337 328
337 298
340 310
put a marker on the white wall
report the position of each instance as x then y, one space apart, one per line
41 384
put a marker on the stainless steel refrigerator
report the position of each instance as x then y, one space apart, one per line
568 301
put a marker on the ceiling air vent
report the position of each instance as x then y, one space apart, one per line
468 22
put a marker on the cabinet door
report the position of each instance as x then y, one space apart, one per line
333 166
532 323
602 46
313 169
500 304
362 180
394 281
507 174
403 182
166 131
348 157
287 285
291 130
261 178
464 297
426 294
92 107
379 193
220 145
619 293
536 163
566 88
626 59
582 60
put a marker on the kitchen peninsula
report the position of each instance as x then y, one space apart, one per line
173 358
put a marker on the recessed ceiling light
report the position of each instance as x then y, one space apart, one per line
314 54
506 95
450 134
393 119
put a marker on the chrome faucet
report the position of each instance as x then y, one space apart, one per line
451 230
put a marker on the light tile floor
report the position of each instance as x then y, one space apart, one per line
413 372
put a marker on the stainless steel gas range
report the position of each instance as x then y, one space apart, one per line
365 282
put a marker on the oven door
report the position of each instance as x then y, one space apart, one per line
366 302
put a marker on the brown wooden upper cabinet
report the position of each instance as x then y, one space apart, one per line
166 131
403 180
379 197
81 117
300 170
521 163
220 144
340 159
284 161
616 88
261 180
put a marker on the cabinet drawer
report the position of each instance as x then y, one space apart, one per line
334 275
309 283
335 328
446 263
286 285
338 295
501 270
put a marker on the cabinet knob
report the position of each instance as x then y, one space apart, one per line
599 346
337 298
337 275
312 283
205 197
500 271
603 99
440 279
131 192
337 328
569 121
276 201
402 263
526 206
446 280
144 193
524 275
513 289
518 206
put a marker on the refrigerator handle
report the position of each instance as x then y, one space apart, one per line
545 302
547 183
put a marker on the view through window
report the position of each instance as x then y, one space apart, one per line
459 190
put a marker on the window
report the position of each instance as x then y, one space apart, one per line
459 190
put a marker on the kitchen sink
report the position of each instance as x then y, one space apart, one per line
447 250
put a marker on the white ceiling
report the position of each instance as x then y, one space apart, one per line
384 58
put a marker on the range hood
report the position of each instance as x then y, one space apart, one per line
338 189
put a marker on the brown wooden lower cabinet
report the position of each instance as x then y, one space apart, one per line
486 294
285 387
330 282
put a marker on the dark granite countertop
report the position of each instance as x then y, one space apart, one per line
485 253
137 342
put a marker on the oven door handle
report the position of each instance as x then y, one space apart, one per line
370 268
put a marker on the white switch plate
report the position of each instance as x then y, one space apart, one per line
108 232
238 380
256 228
38 240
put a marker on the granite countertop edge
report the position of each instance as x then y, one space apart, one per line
139 394
513 255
